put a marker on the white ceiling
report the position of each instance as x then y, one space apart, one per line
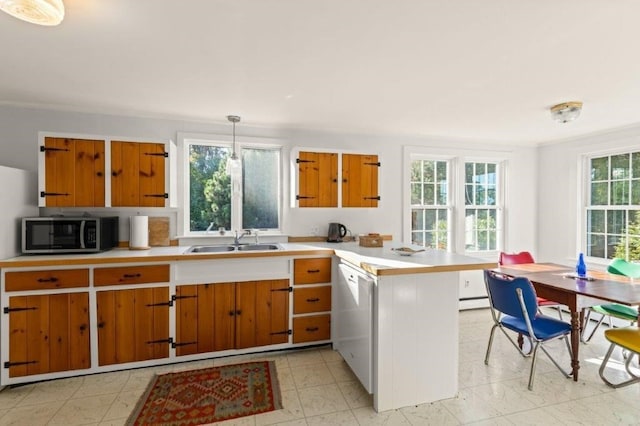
467 69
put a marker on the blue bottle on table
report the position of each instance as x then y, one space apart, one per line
581 267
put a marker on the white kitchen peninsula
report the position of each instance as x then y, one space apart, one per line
415 322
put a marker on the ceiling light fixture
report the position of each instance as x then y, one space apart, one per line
566 111
234 165
41 12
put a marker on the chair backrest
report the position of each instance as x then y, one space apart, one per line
515 258
503 296
622 267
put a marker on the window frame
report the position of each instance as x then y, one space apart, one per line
585 200
457 158
185 140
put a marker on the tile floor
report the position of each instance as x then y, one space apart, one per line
319 389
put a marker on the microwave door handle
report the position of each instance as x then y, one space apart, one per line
82 226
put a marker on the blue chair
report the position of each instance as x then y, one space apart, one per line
614 310
514 307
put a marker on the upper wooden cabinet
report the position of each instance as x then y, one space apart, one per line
74 173
318 176
317 179
360 180
138 174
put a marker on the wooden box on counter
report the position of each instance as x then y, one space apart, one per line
370 240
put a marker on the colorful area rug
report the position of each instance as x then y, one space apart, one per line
209 395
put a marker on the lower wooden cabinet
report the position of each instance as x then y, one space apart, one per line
48 333
222 316
311 328
133 325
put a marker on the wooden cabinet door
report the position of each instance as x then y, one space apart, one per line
224 315
133 325
360 180
262 309
195 312
48 333
137 174
74 172
317 179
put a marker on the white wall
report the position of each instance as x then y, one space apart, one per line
19 129
560 189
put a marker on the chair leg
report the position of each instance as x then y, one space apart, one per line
584 328
559 312
632 380
534 358
486 357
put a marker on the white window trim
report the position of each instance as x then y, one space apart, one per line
184 140
457 157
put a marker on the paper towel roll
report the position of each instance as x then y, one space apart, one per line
138 232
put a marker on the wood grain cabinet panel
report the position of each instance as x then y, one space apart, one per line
311 271
133 325
46 280
360 180
311 328
74 172
139 274
222 316
317 179
138 174
312 299
48 333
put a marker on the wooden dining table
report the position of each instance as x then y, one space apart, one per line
558 283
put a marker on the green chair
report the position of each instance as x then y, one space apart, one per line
614 310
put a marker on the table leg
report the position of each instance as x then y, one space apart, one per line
575 343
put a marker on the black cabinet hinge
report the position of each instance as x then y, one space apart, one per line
165 195
287 289
176 297
303 197
53 194
372 198
158 154
175 344
151 305
9 364
289 332
372 164
8 310
304 161
48 148
168 340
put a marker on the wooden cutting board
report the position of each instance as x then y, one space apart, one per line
158 231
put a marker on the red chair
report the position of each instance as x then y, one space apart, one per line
526 257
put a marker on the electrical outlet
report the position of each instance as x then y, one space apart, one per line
314 231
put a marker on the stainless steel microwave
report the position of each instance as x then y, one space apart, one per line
68 234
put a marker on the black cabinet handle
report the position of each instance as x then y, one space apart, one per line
311 329
313 271
315 299
48 280
129 276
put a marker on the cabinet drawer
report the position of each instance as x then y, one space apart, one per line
312 299
311 271
131 275
44 280
313 328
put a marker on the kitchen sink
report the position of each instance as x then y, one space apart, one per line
225 248
211 249
255 247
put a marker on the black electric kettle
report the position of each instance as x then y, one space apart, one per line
336 232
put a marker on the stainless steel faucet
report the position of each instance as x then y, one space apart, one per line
236 238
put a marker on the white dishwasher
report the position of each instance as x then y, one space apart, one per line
354 321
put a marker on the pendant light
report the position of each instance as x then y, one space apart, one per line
40 12
234 166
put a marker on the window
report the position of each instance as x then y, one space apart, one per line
430 206
481 209
217 199
613 206
455 204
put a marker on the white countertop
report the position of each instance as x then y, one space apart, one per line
377 260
